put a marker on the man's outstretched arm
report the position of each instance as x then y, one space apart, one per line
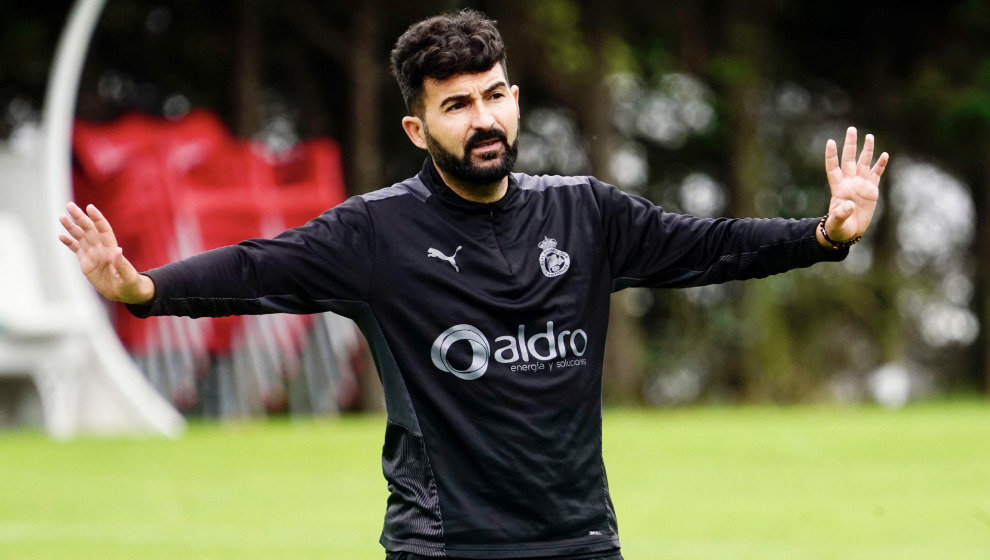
308 269
650 247
90 237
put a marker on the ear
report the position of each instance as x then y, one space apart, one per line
414 130
514 90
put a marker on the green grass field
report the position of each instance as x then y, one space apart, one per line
727 483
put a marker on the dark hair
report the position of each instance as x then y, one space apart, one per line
442 46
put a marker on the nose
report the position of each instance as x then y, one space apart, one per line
482 117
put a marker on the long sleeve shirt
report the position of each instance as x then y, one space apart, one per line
487 324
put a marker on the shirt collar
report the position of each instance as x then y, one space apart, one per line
433 181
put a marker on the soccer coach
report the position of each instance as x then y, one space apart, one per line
484 296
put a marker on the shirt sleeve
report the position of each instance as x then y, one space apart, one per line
649 247
309 269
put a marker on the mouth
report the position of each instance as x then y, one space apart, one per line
487 146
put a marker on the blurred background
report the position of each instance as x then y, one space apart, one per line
713 108
202 123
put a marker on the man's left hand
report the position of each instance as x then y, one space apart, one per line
855 187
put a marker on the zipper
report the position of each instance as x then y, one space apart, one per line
491 220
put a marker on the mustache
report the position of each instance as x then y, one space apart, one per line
485 135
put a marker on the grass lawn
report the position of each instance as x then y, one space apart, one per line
702 483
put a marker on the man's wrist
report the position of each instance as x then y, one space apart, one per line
145 292
822 243
829 244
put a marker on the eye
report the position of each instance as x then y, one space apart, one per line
498 95
454 106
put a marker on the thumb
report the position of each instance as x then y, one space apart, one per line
843 211
125 269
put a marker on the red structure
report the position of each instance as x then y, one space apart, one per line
172 189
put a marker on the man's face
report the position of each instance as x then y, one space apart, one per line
470 125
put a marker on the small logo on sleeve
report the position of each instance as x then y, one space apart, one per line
553 261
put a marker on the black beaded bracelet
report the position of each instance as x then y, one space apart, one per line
833 243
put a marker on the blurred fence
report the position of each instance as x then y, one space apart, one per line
172 189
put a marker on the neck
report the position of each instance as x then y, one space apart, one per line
474 192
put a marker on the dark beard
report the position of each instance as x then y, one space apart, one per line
461 168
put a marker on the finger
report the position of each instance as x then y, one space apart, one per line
866 157
849 152
69 242
71 227
832 170
80 217
879 168
101 223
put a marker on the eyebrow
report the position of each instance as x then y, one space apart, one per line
463 96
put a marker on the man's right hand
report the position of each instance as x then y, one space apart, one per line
101 259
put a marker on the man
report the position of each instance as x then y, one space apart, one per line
484 296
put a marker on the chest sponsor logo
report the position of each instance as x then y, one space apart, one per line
431 252
544 350
553 261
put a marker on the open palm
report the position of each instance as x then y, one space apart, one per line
90 237
855 187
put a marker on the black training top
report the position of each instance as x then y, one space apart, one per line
487 323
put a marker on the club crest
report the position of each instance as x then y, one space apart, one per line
553 261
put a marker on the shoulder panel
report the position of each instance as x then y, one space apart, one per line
412 186
544 182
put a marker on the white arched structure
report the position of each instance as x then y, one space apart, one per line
53 327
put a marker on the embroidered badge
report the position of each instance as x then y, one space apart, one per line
553 261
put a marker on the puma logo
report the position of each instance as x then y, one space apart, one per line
431 252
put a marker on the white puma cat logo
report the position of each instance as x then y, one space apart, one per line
431 252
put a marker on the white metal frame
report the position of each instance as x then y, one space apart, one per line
86 380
